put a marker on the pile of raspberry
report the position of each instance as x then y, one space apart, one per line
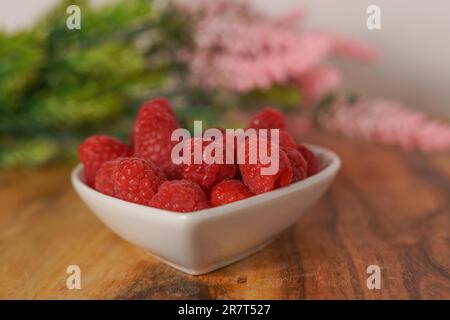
143 172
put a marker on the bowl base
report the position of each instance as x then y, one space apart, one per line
221 264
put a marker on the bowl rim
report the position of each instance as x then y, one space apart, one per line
331 167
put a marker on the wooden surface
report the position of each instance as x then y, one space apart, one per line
386 208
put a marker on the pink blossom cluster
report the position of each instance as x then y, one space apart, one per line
238 49
389 123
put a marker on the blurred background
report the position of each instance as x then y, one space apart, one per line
412 45
218 61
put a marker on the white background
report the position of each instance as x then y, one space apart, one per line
413 45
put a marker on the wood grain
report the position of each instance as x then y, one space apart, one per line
386 207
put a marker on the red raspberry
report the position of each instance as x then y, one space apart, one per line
98 149
251 172
229 191
285 140
162 104
204 174
311 159
103 178
136 180
230 142
172 171
268 118
180 196
153 128
299 164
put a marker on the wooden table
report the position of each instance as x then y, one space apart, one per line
386 208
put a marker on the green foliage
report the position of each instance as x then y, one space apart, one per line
322 106
284 97
208 116
20 57
31 152
57 85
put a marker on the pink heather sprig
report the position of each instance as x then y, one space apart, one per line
238 49
390 123
317 82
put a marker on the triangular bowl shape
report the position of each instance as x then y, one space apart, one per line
202 241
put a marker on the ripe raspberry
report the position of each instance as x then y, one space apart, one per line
285 140
172 171
231 142
229 191
103 178
153 128
162 104
311 159
180 196
204 174
136 180
251 172
98 149
268 118
299 164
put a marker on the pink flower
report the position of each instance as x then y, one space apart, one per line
290 19
237 49
318 81
344 47
390 123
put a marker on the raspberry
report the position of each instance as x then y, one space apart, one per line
204 174
231 142
98 149
136 180
172 171
224 142
180 196
103 178
311 159
285 140
251 172
153 128
268 118
299 164
163 104
229 191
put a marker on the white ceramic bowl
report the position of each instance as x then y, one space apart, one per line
202 241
